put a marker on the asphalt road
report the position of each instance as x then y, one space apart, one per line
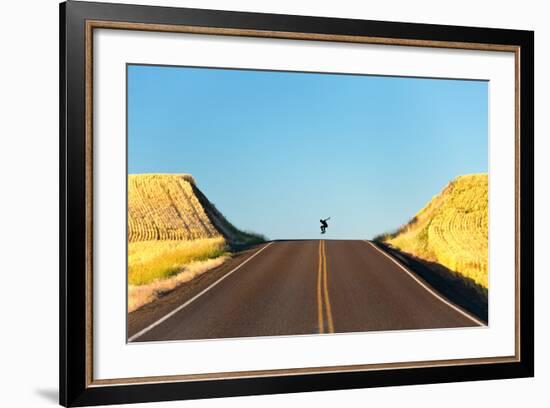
298 287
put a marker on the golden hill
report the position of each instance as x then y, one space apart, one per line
452 229
171 207
174 235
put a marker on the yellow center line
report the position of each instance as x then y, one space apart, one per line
327 298
323 299
319 294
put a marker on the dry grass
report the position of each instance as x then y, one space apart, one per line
150 261
165 207
143 294
174 234
452 229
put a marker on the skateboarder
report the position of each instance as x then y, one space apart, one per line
324 225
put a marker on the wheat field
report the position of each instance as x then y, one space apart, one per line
174 234
165 207
452 229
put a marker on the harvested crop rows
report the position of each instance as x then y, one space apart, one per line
452 229
165 207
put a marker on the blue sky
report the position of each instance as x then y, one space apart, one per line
276 151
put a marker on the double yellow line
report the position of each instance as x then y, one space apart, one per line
322 292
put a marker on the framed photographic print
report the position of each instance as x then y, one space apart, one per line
256 203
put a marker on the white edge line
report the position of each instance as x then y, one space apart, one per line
198 295
462 312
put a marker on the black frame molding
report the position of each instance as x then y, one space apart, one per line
76 385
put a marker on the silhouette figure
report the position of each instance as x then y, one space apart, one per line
324 225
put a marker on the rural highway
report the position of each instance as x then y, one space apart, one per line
298 287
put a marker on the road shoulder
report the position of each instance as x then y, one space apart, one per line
150 313
458 290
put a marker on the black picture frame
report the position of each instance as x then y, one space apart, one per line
77 387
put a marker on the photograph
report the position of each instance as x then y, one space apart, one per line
285 203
